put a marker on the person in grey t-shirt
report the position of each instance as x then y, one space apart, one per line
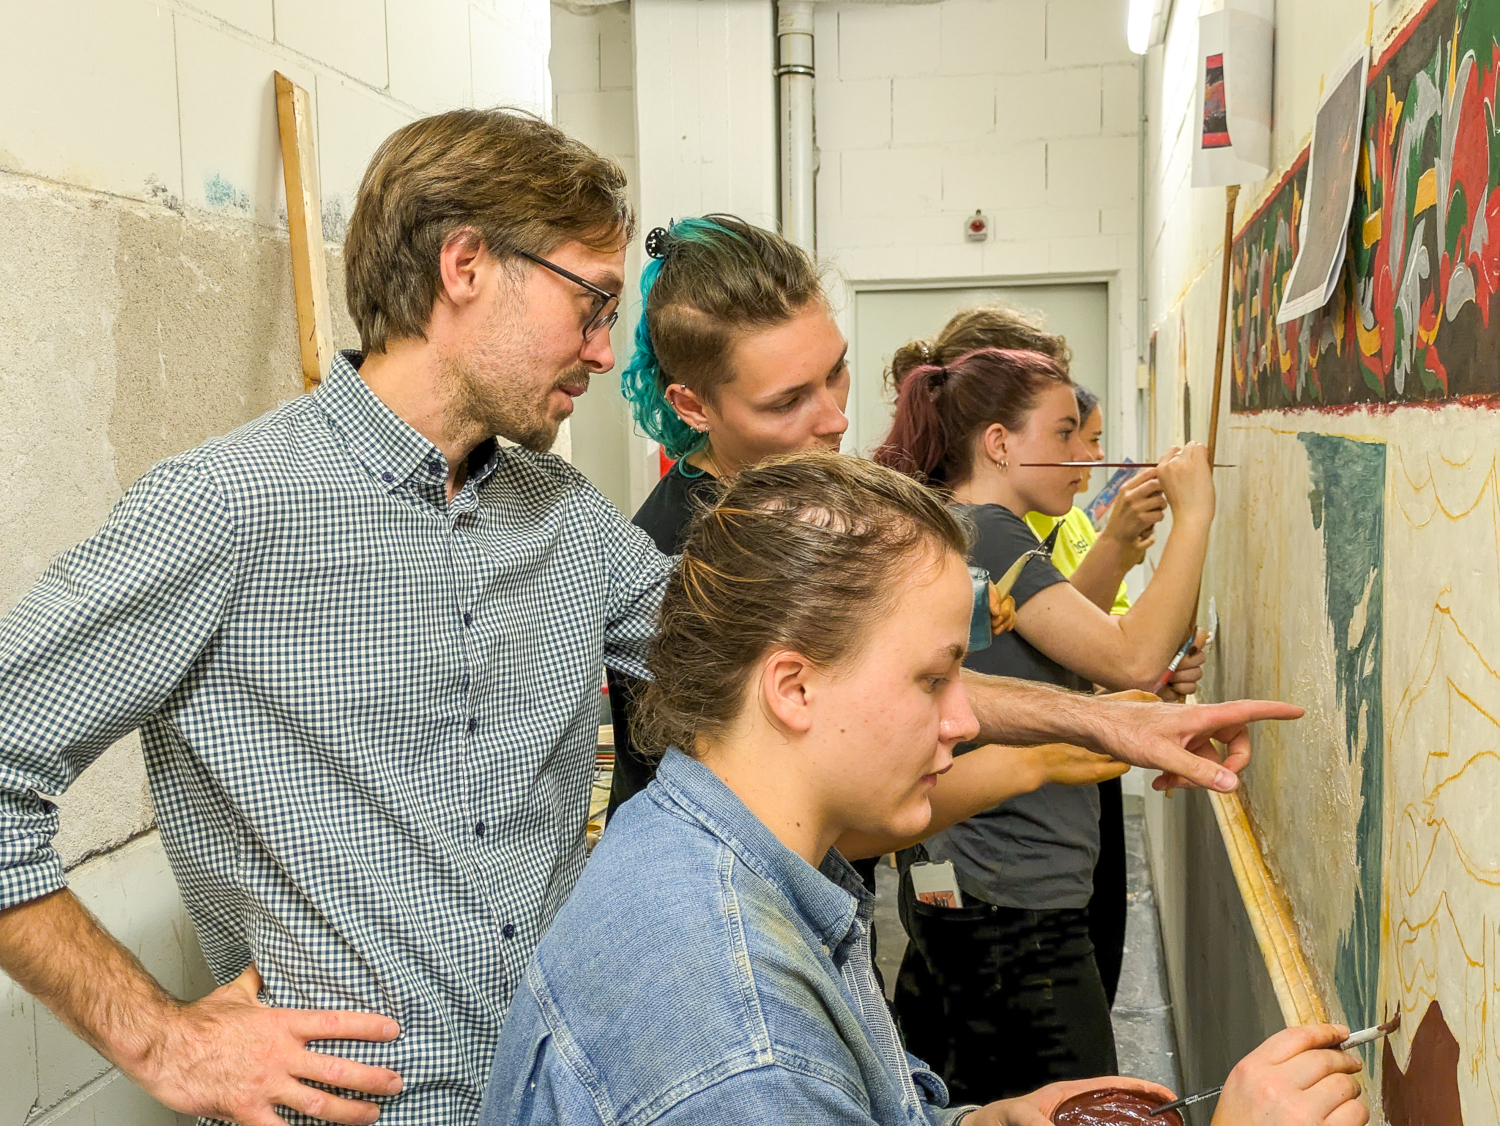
1003 993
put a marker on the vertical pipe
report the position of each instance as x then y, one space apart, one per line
1143 404
794 74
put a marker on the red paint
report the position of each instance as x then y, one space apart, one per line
1485 401
1426 1094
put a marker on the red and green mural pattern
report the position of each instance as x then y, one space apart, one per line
1411 320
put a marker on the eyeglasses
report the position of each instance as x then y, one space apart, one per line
606 304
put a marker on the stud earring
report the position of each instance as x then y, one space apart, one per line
1002 464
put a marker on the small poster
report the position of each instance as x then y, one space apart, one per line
1232 140
1215 122
1331 168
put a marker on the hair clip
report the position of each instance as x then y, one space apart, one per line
656 243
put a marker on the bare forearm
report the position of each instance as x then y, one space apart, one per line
976 781
1100 573
1025 713
1162 618
59 953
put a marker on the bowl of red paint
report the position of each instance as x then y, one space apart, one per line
1113 1106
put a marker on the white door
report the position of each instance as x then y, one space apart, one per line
885 319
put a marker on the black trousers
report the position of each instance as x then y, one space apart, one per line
1108 904
999 1000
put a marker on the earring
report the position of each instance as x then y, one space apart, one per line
1002 464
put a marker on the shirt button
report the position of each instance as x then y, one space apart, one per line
508 930
436 467
473 726
479 828
468 619
387 477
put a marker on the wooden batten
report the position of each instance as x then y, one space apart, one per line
304 214
1270 916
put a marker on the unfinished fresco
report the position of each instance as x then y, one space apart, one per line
1410 318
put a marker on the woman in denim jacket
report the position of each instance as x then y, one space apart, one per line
807 665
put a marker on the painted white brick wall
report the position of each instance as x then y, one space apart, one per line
173 102
1023 109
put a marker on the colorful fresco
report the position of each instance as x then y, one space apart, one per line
1410 321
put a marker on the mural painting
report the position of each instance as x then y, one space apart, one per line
1410 319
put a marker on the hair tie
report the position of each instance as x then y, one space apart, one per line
938 377
656 243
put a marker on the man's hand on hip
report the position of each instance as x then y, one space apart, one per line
229 1056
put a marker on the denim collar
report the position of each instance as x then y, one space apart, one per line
830 899
390 449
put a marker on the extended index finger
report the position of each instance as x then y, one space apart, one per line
338 1024
1206 718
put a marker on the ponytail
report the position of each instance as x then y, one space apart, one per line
917 439
942 408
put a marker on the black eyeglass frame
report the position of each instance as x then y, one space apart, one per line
599 318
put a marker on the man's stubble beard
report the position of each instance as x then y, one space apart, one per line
517 412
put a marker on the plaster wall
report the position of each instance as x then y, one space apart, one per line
1354 565
146 281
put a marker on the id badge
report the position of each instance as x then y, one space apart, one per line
936 884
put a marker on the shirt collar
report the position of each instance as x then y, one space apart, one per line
389 448
830 899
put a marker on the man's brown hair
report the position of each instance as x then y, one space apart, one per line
516 181
803 552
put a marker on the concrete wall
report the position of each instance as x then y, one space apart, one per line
1354 565
146 283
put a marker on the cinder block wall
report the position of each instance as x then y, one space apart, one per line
1025 109
146 283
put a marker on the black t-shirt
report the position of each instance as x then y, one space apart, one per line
665 516
1036 851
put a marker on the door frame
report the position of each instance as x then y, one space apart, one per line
1120 425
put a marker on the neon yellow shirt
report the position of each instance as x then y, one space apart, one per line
1073 543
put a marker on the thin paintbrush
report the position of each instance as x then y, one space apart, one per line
1103 465
1365 1036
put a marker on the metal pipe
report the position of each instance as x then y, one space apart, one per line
794 75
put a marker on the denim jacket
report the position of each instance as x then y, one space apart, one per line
703 973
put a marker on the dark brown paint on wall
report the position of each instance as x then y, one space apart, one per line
1426 1093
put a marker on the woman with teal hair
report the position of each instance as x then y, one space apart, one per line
737 358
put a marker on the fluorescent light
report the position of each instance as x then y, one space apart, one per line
1138 25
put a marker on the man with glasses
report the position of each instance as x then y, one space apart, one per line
363 642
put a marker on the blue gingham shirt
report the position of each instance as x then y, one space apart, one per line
368 713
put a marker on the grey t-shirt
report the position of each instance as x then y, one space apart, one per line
1036 851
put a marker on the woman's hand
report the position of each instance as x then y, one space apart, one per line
1002 611
1185 680
1188 482
1295 1078
1036 1108
1073 766
1136 511
1133 554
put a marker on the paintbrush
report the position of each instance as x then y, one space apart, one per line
1105 465
1364 1036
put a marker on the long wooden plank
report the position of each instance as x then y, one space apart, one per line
304 214
1270 916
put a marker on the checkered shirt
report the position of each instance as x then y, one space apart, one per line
368 713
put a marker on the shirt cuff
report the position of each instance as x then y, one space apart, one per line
950 1115
39 874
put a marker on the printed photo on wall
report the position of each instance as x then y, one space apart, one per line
1215 123
1233 143
1331 169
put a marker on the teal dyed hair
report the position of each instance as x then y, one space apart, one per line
718 278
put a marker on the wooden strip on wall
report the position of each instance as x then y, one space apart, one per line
304 214
1270 916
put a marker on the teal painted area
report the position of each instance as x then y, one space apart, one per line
1348 503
